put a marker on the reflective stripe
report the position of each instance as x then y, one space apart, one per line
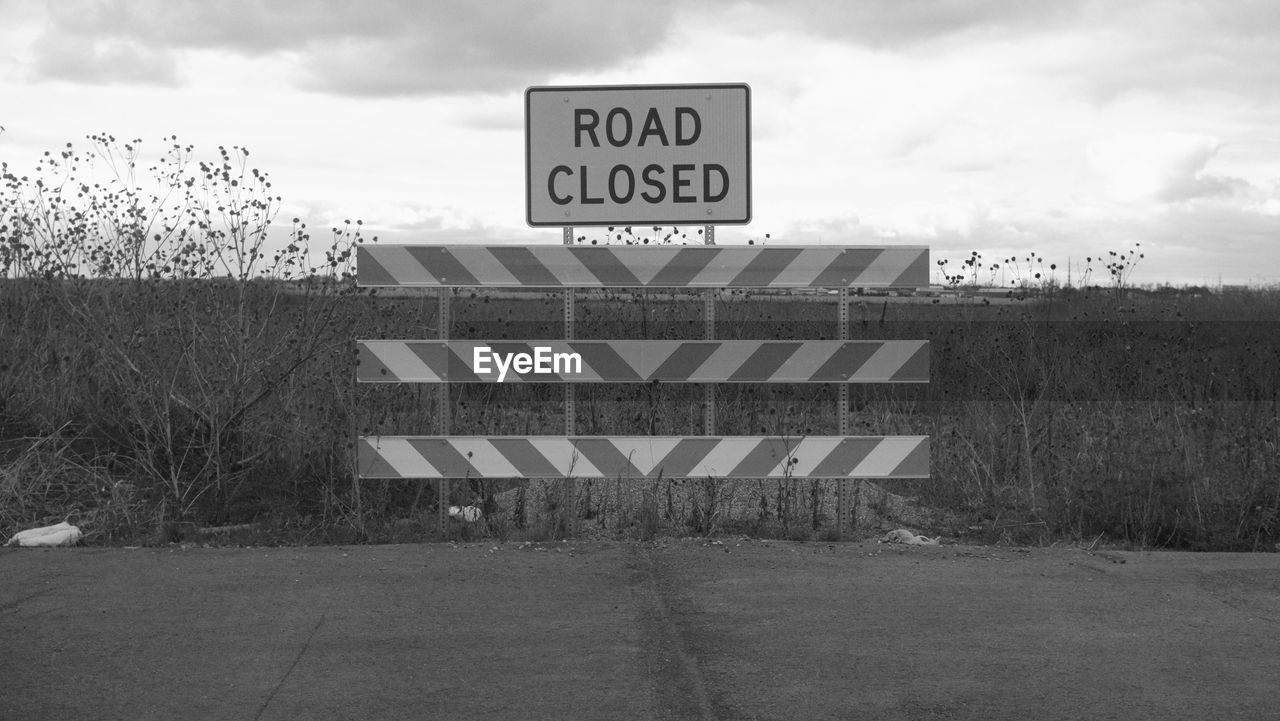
642 266
643 457
695 361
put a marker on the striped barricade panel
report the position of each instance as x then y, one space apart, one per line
635 361
643 457
700 266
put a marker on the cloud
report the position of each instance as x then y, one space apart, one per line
1217 228
389 219
376 49
1165 167
894 24
102 61
1109 50
249 27
835 229
1164 47
492 47
400 47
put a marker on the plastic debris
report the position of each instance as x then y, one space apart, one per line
902 535
466 514
59 534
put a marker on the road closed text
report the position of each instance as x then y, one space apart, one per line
652 184
543 361
621 184
657 154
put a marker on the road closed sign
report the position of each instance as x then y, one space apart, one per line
638 154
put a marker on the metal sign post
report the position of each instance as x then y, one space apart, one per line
570 411
842 419
709 333
442 414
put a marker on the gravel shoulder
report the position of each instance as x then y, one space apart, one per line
721 629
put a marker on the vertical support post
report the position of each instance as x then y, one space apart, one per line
709 333
570 408
843 510
442 412
357 498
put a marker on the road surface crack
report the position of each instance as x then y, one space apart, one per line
305 645
14 604
677 679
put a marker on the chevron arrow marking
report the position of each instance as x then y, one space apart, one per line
690 266
643 457
558 361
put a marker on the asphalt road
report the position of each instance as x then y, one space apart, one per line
727 629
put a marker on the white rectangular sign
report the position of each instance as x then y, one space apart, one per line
638 154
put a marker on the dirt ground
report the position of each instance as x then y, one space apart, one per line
723 629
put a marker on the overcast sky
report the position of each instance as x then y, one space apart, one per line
1002 126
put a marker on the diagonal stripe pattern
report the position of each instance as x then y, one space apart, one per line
704 266
558 361
643 457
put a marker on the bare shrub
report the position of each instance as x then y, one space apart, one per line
150 314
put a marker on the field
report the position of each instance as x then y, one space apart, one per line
148 409
178 362
724 628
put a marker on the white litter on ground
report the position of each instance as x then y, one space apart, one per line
468 514
59 534
902 535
